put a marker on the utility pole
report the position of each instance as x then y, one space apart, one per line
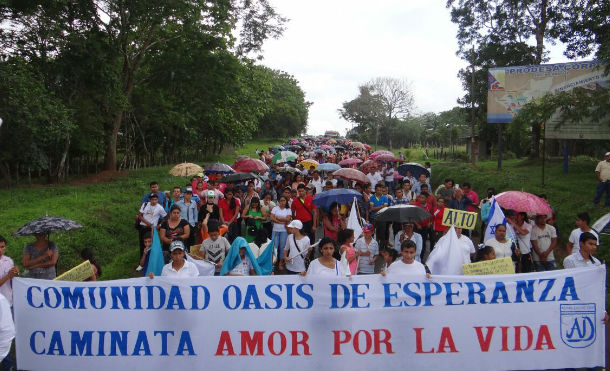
472 117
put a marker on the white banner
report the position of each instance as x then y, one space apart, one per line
503 322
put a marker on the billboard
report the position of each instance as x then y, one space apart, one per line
510 88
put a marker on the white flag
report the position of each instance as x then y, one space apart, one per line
496 216
446 258
205 267
353 222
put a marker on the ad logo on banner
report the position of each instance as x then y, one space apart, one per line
578 324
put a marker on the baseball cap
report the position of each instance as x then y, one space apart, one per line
211 194
153 195
368 228
176 245
607 154
295 224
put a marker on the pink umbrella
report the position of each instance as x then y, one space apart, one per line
367 163
379 153
367 147
326 146
387 158
351 174
294 141
357 145
246 165
350 161
523 202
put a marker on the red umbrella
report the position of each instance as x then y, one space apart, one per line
350 161
367 147
249 164
352 174
367 163
523 202
379 153
387 158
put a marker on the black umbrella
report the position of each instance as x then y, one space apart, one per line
415 169
239 177
402 213
46 225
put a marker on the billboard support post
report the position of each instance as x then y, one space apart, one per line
499 146
565 156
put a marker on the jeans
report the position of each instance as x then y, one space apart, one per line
281 243
541 267
601 188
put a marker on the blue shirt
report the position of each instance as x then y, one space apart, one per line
188 212
375 202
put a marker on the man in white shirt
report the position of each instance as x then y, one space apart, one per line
374 176
408 264
602 173
149 215
583 257
544 241
317 182
407 234
582 222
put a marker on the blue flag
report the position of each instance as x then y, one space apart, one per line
265 260
155 256
233 259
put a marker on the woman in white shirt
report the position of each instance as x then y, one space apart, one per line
281 216
326 265
178 267
297 248
501 245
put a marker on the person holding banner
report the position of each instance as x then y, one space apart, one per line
502 246
408 233
408 264
297 248
583 257
179 266
326 264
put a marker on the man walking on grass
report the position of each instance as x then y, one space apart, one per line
602 172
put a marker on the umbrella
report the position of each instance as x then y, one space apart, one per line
367 147
288 169
379 153
186 169
328 166
319 151
352 174
326 146
387 158
283 156
292 147
278 148
602 224
358 145
246 165
340 196
332 141
402 213
415 169
46 225
239 177
350 161
339 148
294 141
218 168
309 163
523 202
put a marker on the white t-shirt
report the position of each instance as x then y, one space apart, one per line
296 253
7 327
374 178
545 238
419 244
366 264
280 213
188 270
399 267
317 269
151 213
525 243
319 184
502 250
388 174
243 268
575 238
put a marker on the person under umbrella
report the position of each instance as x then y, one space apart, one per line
40 258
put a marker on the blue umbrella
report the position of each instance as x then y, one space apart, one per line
328 166
415 169
340 196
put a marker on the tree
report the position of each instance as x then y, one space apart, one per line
130 32
381 104
512 23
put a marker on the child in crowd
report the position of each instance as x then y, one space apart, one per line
87 254
408 264
485 253
345 238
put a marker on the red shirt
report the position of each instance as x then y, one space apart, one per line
472 195
438 219
303 213
426 207
227 212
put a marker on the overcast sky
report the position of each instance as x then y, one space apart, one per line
332 47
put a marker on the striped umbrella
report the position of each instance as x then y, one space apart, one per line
186 169
284 156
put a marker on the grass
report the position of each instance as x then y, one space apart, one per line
107 211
